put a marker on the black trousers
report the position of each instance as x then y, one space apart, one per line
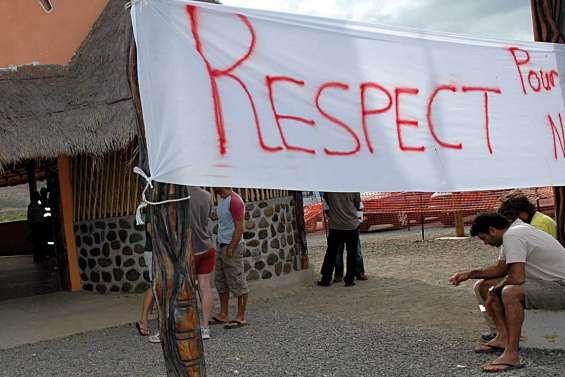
336 239
359 265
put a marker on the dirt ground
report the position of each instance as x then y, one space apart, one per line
407 281
406 320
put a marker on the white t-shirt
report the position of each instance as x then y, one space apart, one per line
543 255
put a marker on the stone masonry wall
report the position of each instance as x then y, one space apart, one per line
110 255
110 251
269 239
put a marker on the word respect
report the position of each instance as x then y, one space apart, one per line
533 80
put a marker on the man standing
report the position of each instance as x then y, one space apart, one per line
230 276
148 298
344 229
359 265
203 251
36 223
532 265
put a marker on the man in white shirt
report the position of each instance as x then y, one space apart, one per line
532 265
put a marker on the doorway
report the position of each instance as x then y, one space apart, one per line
30 243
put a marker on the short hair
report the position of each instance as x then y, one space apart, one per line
514 203
485 220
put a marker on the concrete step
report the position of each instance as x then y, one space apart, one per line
543 329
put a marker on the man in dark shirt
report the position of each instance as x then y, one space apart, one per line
359 265
36 224
344 228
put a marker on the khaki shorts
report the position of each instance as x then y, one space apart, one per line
544 294
229 275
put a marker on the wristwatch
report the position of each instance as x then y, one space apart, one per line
494 291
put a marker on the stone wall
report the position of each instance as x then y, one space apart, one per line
110 255
110 251
269 237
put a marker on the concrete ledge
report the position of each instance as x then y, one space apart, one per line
57 315
543 329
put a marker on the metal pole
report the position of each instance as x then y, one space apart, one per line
422 217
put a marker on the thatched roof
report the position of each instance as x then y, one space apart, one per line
82 107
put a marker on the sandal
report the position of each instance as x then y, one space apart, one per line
143 331
501 367
217 321
235 324
487 348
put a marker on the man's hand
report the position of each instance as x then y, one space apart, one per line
495 291
229 251
459 278
488 302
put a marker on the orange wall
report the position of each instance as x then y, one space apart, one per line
28 34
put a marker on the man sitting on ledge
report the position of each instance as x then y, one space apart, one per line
532 265
514 205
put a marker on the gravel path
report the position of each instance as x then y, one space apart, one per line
404 321
278 343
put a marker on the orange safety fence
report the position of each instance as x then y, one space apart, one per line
398 210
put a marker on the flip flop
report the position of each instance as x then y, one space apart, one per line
486 348
141 330
505 367
217 321
235 324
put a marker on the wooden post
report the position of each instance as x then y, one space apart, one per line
457 205
172 284
559 194
31 179
67 219
300 229
548 22
459 224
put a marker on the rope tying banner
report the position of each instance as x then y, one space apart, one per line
144 202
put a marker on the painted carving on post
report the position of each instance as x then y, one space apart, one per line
173 285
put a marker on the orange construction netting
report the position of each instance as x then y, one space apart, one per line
398 210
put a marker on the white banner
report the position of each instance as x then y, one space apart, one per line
244 98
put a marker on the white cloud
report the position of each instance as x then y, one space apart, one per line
502 19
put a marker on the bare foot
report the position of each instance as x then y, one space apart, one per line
240 319
142 328
218 319
502 363
486 348
235 323
497 342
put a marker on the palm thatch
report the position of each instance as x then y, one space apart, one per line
83 107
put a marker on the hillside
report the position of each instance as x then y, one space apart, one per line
13 203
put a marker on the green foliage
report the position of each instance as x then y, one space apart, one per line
12 214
